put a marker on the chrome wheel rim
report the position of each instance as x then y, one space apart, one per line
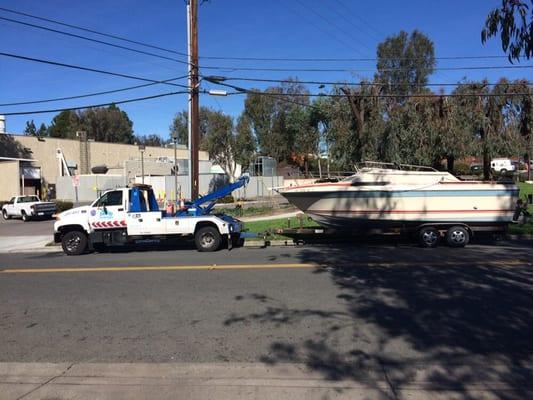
430 237
73 244
458 237
207 240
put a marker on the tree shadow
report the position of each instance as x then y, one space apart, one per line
444 324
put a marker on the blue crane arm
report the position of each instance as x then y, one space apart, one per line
212 198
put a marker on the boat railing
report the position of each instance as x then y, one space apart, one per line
395 166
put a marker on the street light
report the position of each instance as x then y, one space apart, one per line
142 148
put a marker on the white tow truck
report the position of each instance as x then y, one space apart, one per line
28 207
126 215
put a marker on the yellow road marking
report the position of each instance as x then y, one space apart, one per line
504 263
156 268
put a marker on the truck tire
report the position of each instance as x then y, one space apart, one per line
24 216
5 215
207 239
457 236
428 236
74 243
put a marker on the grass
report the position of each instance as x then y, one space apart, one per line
273 224
525 189
256 210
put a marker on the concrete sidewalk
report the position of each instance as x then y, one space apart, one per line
16 244
235 381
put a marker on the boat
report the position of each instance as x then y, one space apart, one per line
397 195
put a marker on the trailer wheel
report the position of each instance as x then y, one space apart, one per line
457 236
428 236
25 217
5 215
207 239
74 243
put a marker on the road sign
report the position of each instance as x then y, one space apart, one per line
76 180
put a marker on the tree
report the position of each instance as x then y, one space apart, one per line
30 129
43 131
245 144
103 124
405 62
511 22
107 124
268 113
220 141
64 125
150 140
179 128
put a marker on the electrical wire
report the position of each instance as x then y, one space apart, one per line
332 23
92 31
308 59
93 40
89 94
99 71
94 105
312 82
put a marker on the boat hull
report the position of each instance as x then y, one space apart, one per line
348 207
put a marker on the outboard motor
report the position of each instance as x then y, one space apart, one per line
521 208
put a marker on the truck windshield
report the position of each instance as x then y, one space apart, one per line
28 199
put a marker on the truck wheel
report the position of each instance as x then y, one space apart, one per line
207 239
428 236
457 236
5 215
25 216
74 243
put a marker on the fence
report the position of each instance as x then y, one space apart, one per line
91 186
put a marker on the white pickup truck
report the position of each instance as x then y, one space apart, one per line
28 207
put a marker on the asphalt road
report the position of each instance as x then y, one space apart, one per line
17 227
341 311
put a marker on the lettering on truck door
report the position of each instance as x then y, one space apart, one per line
109 211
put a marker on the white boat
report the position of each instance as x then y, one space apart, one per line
390 195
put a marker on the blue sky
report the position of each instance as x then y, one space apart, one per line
253 28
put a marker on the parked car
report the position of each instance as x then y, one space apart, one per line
28 207
502 165
476 169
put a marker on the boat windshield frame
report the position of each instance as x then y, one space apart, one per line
392 166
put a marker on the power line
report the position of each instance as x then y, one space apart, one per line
237 58
99 71
359 18
415 95
365 70
319 27
89 94
331 23
93 31
94 105
240 91
93 40
312 82
368 59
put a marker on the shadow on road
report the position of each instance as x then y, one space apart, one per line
425 325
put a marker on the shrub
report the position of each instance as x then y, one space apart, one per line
226 199
461 168
63 205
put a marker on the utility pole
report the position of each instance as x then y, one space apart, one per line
194 108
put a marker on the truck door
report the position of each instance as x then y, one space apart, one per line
109 211
10 206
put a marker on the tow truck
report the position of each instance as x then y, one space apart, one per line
127 215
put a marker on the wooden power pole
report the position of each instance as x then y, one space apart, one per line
194 110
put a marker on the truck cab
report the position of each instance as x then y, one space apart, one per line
126 215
